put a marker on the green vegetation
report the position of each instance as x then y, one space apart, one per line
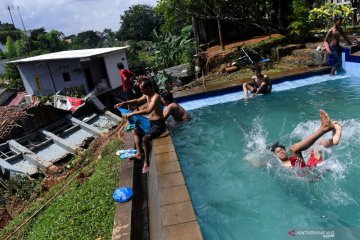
322 16
263 15
138 22
171 50
299 25
85 210
85 40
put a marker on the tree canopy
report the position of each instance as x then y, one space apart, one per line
263 14
138 22
87 39
7 29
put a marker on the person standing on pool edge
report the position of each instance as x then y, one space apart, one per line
157 121
332 43
296 159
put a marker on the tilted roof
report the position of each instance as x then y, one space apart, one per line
71 54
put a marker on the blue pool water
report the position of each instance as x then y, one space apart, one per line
238 188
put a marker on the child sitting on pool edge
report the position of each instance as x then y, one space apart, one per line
261 84
296 159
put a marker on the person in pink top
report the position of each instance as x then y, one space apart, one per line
126 78
296 159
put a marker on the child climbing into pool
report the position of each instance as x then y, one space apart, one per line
332 43
173 109
261 84
157 122
296 159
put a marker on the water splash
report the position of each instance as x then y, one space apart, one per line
338 159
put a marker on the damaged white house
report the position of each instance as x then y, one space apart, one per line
76 69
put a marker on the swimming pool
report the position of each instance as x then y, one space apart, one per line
238 189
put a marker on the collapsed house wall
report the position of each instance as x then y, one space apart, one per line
16 121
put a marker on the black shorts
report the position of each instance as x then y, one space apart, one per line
336 55
265 90
157 127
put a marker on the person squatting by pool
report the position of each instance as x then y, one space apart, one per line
157 122
296 159
261 84
332 40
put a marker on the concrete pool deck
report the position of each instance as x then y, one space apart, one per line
171 213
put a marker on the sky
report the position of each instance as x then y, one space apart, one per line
68 16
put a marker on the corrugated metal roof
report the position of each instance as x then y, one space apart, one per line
84 53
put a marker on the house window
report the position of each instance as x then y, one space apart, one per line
66 77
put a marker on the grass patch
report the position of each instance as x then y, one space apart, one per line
84 211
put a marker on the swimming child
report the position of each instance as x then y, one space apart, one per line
296 159
173 109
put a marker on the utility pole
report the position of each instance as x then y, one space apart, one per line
11 7
18 8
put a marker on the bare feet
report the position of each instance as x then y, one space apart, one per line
326 122
336 133
137 156
145 168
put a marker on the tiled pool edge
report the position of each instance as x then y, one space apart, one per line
171 212
201 92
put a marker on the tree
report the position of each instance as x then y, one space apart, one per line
10 70
51 42
323 15
171 50
10 48
138 22
7 29
34 33
269 16
140 56
299 25
87 39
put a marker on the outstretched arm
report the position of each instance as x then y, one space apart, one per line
145 111
133 101
167 112
344 36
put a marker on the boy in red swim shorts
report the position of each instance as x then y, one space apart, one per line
296 159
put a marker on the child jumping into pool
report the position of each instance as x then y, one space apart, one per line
157 122
296 159
261 84
173 109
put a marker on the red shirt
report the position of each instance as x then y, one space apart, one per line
300 163
126 74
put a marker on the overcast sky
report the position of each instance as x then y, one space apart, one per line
68 16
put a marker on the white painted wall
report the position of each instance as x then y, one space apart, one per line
29 71
111 67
